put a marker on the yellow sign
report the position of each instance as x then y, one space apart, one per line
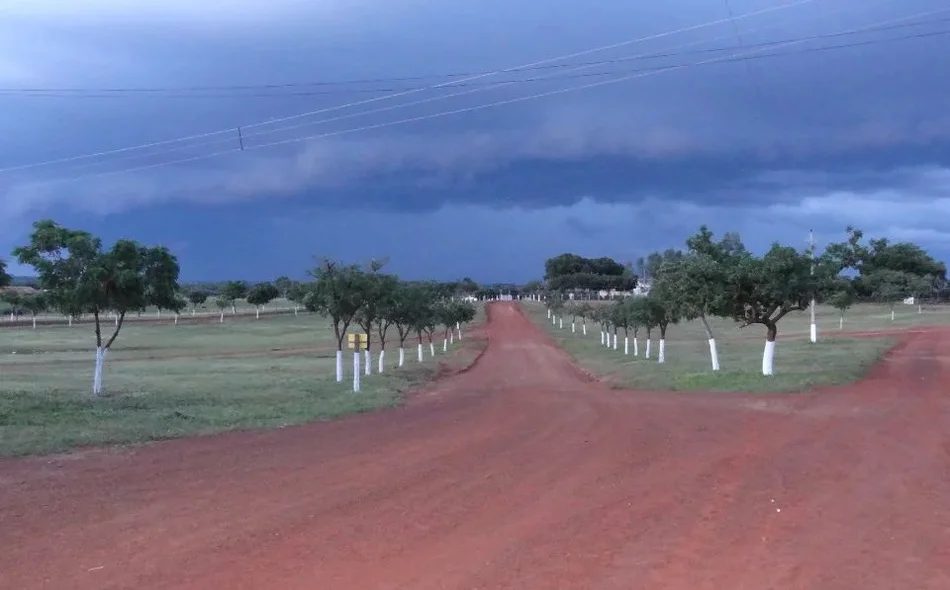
358 341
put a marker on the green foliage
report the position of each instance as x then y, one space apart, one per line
337 292
34 303
262 294
841 295
80 277
197 297
410 308
233 290
284 285
891 286
569 271
4 277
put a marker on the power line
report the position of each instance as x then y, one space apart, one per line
185 92
729 59
408 92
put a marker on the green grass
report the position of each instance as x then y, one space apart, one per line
799 365
165 381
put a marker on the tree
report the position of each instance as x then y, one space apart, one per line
222 304
663 312
284 285
232 291
338 293
620 318
260 295
177 305
409 307
375 289
841 297
14 300
641 315
4 277
35 303
297 294
197 298
765 290
78 275
891 286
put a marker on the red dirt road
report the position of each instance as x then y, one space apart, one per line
519 473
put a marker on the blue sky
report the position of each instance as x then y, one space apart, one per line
767 147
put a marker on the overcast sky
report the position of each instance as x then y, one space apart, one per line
768 147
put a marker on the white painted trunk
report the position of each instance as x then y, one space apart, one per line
158 314
584 327
222 317
116 320
920 308
369 362
431 349
420 352
713 354
295 310
814 333
176 318
97 374
402 356
661 354
445 345
560 323
34 322
647 355
573 328
601 337
70 321
768 358
258 313
615 341
626 345
841 323
460 333
356 371
892 315
382 355
549 314
636 346
339 366
451 337
193 312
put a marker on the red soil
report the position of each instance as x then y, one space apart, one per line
519 473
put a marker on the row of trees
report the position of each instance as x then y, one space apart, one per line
723 279
378 303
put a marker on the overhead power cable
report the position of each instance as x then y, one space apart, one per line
728 59
241 91
551 60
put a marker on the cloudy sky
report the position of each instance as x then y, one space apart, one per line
794 114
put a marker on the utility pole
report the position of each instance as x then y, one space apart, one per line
811 247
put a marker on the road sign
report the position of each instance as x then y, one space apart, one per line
358 341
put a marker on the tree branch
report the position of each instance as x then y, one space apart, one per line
118 327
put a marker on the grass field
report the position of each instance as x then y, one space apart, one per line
799 364
165 381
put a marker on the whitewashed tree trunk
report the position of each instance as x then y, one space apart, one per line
892 315
356 371
257 313
70 319
920 308
661 354
382 355
584 327
295 310
813 333
615 341
768 358
626 345
601 337
636 346
460 333
177 315
115 318
402 356
158 314
560 323
369 362
233 310
339 366
221 319
573 328
445 345
451 337
34 322
713 354
649 341
420 352
97 375
431 349
549 314
841 322
193 312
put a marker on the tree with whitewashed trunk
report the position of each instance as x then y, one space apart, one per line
464 312
222 304
620 318
378 289
764 290
14 300
260 295
78 275
177 305
34 303
841 297
337 293
409 303
233 291
284 284
641 315
893 286
663 312
296 295
197 298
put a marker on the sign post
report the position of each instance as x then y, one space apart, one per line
357 343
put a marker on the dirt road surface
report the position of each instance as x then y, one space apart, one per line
519 473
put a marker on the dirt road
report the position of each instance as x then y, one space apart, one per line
519 473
